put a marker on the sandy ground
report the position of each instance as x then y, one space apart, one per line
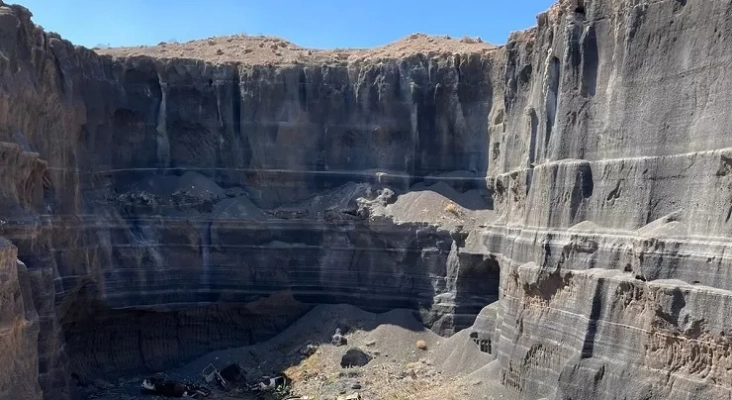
449 369
257 50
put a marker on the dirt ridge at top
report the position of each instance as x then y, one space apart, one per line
255 50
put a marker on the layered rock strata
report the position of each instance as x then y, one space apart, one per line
171 199
19 328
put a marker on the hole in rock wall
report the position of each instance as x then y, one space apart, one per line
484 342
590 61
552 97
477 286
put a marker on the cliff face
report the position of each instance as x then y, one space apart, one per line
168 207
611 186
18 329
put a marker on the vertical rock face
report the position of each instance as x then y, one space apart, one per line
609 180
18 328
170 200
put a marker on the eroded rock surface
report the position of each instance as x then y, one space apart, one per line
18 328
580 175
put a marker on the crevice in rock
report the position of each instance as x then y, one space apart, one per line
552 96
477 286
595 317
590 61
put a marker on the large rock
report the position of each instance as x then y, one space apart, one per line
354 357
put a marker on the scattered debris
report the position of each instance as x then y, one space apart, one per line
160 387
267 383
231 373
211 373
338 339
196 391
308 350
406 373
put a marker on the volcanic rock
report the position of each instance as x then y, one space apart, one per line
355 357
165 206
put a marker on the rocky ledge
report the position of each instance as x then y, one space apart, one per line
156 206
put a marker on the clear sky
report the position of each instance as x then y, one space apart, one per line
308 23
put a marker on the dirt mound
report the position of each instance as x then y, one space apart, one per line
191 182
257 50
239 208
439 205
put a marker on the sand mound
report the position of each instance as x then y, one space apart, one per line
194 183
199 185
239 208
439 205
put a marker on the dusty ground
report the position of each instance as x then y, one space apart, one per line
399 370
256 50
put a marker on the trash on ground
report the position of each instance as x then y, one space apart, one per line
269 383
161 387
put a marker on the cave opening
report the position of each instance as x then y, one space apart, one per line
580 8
477 287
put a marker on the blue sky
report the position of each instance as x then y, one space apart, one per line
309 23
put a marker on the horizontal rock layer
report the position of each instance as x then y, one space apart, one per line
161 198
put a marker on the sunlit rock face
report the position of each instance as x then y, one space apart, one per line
155 209
610 183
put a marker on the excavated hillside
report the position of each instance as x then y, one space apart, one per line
564 200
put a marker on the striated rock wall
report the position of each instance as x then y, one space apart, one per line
609 184
166 199
162 198
19 328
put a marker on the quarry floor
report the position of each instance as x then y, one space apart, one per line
398 370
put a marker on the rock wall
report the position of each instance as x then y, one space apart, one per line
18 328
166 199
160 200
609 183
